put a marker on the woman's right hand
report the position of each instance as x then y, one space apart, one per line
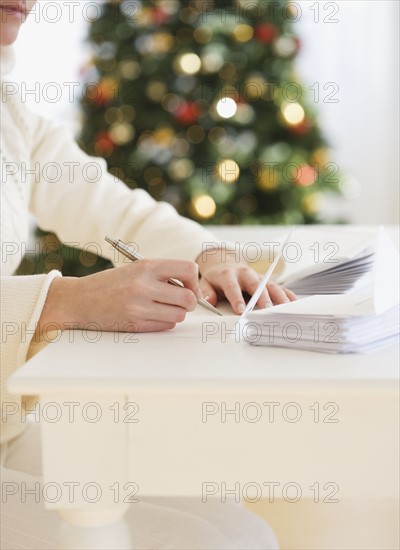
132 298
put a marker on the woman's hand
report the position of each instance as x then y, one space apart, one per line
132 298
231 279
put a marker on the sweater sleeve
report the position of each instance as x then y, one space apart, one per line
79 200
22 301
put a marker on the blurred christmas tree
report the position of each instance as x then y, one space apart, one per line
198 102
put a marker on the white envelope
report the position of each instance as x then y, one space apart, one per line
386 274
381 294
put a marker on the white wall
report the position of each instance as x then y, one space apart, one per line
359 53
51 49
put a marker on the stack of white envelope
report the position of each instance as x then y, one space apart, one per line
355 306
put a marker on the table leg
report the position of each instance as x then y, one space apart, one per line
85 457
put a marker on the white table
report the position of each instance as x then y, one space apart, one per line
130 415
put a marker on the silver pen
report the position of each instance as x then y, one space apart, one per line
134 256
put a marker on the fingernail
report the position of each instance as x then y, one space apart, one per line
241 308
206 298
269 304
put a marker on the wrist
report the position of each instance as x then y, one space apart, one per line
61 307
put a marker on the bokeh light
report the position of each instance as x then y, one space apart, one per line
243 33
226 107
293 113
204 206
228 171
306 175
189 63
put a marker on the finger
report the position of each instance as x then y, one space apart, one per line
249 281
233 293
291 295
208 291
164 293
277 294
149 310
187 272
165 313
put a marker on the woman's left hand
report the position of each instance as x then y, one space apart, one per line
230 279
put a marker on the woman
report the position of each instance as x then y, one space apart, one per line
83 205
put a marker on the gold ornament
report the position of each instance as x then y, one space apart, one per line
188 63
202 35
228 171
243 33
268 179
320 157
130 70
163 136
293 113
181 169
203 207
162 42
105 91
310 204
155 90
126 113
255 87
122 133
143 17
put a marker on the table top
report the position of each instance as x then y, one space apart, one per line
200 354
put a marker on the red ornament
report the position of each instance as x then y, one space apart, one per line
306 175
302 128
103 143
159 16
265 33
187 113
102 93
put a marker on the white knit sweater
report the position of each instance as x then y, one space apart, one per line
45 173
